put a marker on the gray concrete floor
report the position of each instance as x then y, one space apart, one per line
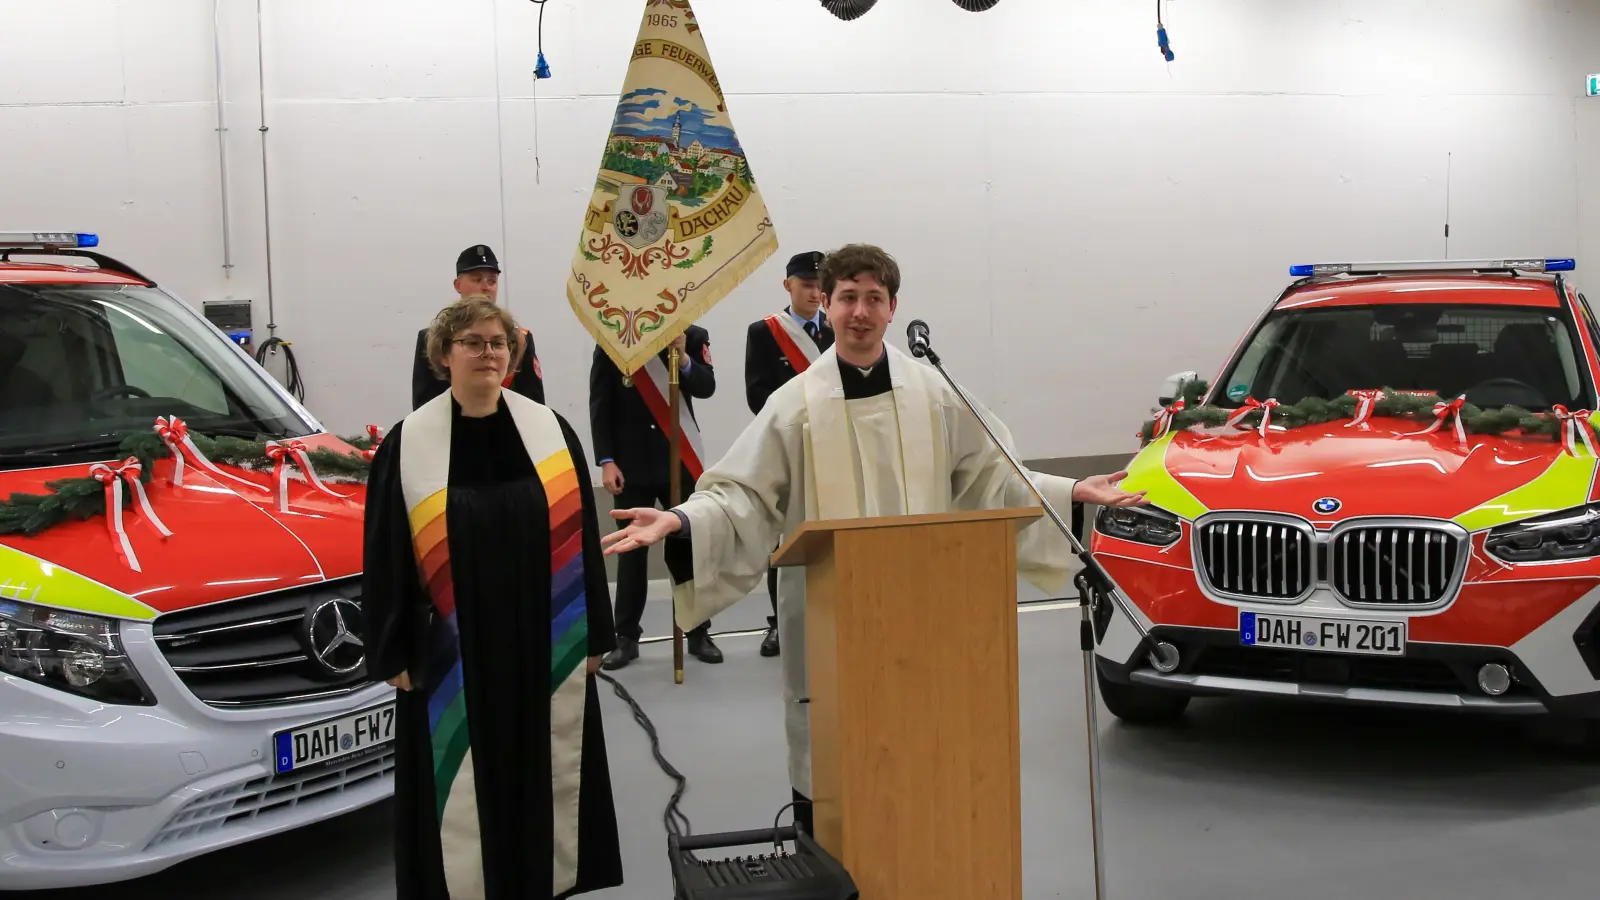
1244 800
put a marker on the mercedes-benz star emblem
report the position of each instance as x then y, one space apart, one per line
333 634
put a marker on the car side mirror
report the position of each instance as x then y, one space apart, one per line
1172 388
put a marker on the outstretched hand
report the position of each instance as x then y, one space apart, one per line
1102 490
646 526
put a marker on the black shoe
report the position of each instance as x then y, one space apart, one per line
627 651
769 644
702 648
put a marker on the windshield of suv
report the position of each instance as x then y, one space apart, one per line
84 365
1495 355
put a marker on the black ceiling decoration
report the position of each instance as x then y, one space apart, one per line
850 9
976 5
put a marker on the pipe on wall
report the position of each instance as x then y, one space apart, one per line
222 141
266 194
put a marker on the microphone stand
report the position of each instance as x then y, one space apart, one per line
921 348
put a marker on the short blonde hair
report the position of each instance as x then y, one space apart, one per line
461 315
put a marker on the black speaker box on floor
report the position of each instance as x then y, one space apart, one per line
808 873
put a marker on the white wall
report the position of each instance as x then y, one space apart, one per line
1076 218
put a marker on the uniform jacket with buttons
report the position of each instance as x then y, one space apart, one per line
766 367
621 426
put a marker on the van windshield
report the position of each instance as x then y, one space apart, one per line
1495 355
84 365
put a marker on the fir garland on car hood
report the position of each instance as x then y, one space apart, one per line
1187 412
82 498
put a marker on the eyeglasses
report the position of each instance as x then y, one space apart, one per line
476 346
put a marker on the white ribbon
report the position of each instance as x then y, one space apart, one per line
1165 418
1441 411
129 471
376 434
174 433
1574 425
1251 405
1366 402
280 452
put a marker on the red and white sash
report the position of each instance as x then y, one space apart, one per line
798 346
654 386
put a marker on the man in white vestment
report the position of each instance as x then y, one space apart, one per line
865 431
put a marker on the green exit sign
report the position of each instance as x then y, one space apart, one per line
1594 85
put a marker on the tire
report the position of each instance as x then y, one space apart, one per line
1139 705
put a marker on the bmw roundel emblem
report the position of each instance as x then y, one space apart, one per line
1327 505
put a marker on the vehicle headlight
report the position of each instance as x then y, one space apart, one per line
72 652
1143 524
1569 534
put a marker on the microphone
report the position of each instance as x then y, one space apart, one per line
917 339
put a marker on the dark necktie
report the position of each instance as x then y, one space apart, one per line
811 329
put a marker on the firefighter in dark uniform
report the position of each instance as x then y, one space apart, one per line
477 272
767 367
632 450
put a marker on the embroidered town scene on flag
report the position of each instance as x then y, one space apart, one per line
676 219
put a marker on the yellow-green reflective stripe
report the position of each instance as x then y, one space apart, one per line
33 580
1148 473
1563 485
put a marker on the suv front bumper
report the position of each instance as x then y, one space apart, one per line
1549 671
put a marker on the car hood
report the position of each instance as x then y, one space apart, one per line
1380 469
227 542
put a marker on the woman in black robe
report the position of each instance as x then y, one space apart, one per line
492 640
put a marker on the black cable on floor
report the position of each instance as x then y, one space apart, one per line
677 823
672 817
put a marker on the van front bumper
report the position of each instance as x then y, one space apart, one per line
92 793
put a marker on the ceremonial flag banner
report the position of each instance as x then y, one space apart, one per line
676 220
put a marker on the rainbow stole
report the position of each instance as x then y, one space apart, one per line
424 474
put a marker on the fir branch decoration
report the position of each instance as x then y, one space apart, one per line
71 498
84 498
1317 411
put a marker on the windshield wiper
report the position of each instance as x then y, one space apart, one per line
110 444
51 453
104 443
249 434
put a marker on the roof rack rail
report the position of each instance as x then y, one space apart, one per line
108 263
1508 264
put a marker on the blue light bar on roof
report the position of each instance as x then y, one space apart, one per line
43 240
1448 265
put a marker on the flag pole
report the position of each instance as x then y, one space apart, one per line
674 496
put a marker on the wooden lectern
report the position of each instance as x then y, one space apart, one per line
911 655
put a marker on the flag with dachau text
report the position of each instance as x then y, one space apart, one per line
676 221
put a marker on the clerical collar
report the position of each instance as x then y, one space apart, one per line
860 383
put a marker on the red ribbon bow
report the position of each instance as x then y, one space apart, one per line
174 433
376 434
1251 404
1575 425
1164 419
113 478
1366 402
1442 411
281 452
